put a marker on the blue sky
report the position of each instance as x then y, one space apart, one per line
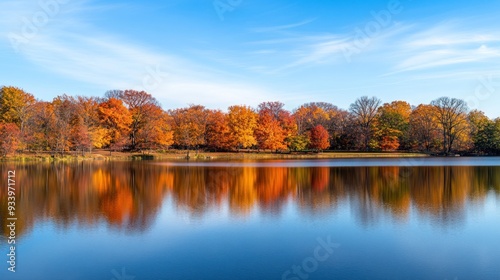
226 52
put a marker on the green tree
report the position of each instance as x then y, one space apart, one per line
298 142
486 134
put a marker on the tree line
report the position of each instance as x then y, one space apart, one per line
134 120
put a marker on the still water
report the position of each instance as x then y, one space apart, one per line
308 219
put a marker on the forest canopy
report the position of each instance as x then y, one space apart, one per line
131 120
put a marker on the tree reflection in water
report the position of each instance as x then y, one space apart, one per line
129 195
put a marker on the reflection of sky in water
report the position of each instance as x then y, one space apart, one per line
431 223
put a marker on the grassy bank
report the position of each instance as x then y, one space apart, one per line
194 155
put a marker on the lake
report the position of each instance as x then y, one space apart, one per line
430 218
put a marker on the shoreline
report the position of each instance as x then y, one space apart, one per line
200 156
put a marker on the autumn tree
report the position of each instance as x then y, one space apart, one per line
242 121
365 112
140 104
424 130
134 119
298 142
40 127
64 117
318 139
217 133
9 138
285 119
451 114
15 106
87 130
156 132
311 114
392 124
270 132
80 139
333 119
189 125
116 120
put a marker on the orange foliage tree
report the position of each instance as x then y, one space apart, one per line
189 125
115 119
218 135
9 138
156 132
140 104
318 138
64 117
87 131
270 133
39 127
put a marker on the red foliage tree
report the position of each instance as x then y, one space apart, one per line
318 138
9 138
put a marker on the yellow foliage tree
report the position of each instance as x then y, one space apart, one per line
242 121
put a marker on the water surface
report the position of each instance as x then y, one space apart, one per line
433 218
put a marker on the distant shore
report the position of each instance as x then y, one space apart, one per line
199 155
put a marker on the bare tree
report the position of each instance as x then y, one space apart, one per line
424 128
365 111
114 93
452 117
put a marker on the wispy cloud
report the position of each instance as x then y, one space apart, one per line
401 47
443 45
302 50
281 27
85 54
